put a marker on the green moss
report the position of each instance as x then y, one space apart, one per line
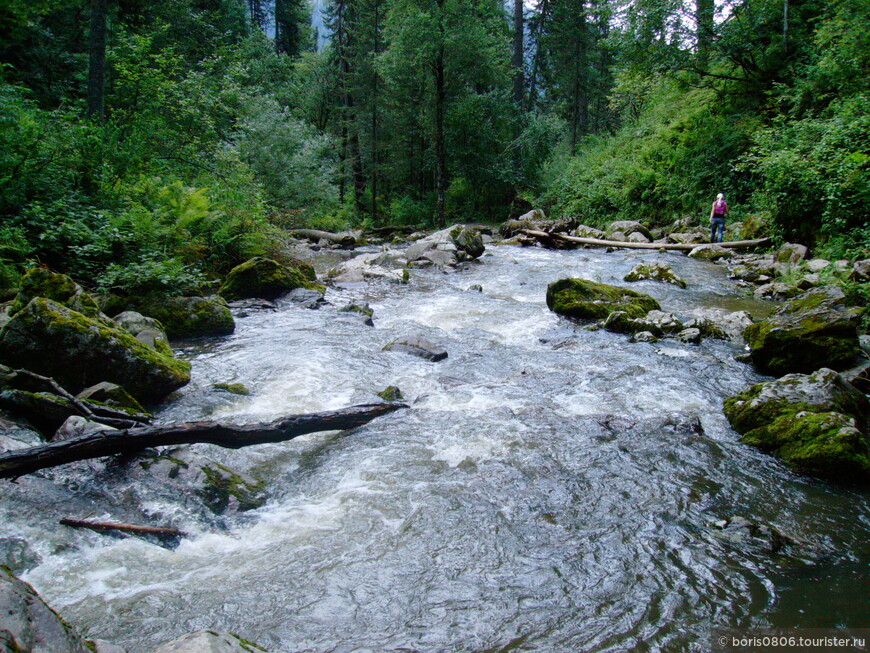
654 272
824 444
48 338
222 484
590 300
234 388
266 279
40 282
391 393
188 317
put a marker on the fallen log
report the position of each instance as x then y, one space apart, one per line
315 235
108 443
734 244
102 526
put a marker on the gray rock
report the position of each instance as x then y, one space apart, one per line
447 247
418 347
690 336
102 646
146 330
776 291
710 252
28 624
860 271
643 336
16 554
585 231
637 237
790 254
690 237
305 297
734 324
209 641
629 227
76 426
655 271
816 265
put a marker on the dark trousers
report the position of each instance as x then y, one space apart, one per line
718 224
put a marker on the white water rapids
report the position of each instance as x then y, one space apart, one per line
547 490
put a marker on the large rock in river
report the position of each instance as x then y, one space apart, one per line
591 300
28 624
189 317
209 641
79 351
265 279
447 247
814 330
813 422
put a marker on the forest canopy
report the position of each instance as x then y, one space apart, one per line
148 147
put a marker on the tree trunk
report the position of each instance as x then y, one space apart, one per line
97 68
544 237
704 11
108 443
518 54
101 526
315 235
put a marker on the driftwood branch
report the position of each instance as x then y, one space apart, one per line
102 526
107 443
57 389
315 235
734 244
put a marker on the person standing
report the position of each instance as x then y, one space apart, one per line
718 214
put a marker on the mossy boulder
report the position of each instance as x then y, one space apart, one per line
628 227
225 489
41 282
469 241
710 252
233 388
114 395
79 351
591 300
189 317
655 271
265 279
814 330
827 445
815 423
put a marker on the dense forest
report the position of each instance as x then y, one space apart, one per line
148 147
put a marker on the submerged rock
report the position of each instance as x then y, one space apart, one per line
655 271
209 641
813 422
418 347
741 531
265 279
811 331
78 351
591 300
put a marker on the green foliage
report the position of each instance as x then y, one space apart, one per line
167 276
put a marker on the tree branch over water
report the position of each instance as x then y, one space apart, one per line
107 443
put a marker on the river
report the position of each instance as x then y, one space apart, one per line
550 488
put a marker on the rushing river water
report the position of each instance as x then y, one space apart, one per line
550 488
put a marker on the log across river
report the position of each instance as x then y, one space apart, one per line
550 488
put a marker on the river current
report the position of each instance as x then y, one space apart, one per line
551 488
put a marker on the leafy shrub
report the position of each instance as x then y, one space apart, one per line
151 274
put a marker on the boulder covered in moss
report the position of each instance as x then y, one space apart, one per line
265 279
42 282
655 271
814 330
79 351
189 317
710 252
591 300
815 423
